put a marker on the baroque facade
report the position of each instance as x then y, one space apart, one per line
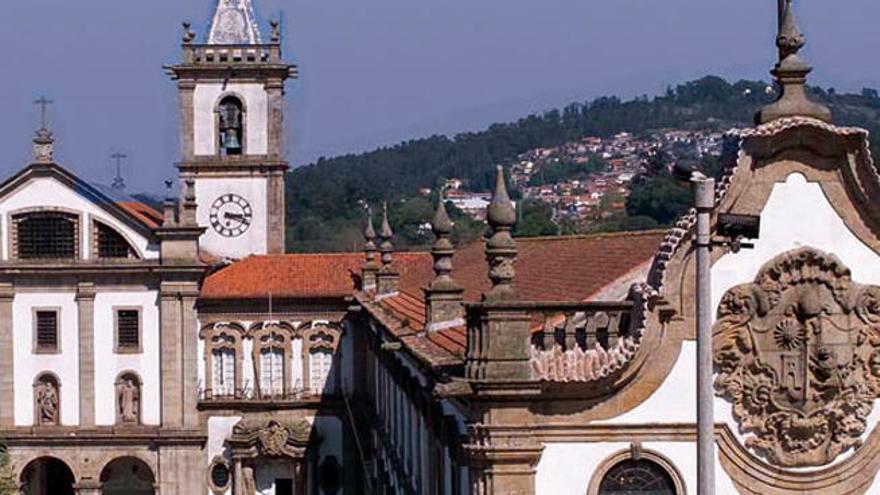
181 352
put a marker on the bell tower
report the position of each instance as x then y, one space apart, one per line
231 123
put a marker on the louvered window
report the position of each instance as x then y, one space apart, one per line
47 331
46 235
128 331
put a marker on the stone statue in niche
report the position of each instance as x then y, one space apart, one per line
128 400
46 394
797 354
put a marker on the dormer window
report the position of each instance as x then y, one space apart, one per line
111 244
45 235
231 126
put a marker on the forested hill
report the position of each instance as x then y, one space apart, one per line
325 200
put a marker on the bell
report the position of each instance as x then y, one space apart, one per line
231 141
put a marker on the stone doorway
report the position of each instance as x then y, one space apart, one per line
127 476
47 476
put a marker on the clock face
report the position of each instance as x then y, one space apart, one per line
231 215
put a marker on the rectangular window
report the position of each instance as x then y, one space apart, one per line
46 328
224 373
272 372
319 370
128 330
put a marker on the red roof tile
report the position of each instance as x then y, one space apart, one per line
143 213
299 275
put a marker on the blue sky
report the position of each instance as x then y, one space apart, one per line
380 71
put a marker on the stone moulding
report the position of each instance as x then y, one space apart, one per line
797 354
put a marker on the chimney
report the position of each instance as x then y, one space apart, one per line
370 268
387 279
444 298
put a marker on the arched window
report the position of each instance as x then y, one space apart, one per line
128 399
637 477
230 126
110 244
47 400
223 352
45 235
272 351
320 342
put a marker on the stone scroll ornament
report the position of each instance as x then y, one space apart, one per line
797 354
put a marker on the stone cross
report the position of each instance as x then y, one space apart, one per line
118 181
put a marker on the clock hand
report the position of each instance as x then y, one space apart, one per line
234 216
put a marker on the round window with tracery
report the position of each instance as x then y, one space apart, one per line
637 477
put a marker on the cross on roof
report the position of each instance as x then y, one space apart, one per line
44 103
118 181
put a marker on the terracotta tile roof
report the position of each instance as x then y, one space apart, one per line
299 275
143 213
548 269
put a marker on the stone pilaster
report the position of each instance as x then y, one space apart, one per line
276 233
187 89
7 365
189 337
275 124
504 469
172 356
85 307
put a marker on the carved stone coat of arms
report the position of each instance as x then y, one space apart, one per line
797 354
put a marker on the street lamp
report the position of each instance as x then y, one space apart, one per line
733 229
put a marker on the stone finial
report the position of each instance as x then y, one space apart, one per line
500 247
370 267
188 216
791 75
169 210
442 250
188 34
276 31
44 146
387 278
443 296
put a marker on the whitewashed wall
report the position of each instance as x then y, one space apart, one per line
797 214
109 365
251 242
49 193
206 98
29 365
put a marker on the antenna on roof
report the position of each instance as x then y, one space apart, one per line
118 181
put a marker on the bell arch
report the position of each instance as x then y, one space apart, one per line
230 124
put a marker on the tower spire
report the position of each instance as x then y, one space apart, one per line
234 24
791 74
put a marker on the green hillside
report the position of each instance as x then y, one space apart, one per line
326 199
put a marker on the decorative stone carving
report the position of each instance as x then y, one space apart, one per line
576 365
797 354
47 400
271 438
128 400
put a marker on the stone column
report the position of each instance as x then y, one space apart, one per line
172 372
237 479
7 368
503 469
85 306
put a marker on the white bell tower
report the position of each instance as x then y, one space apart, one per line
232 113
